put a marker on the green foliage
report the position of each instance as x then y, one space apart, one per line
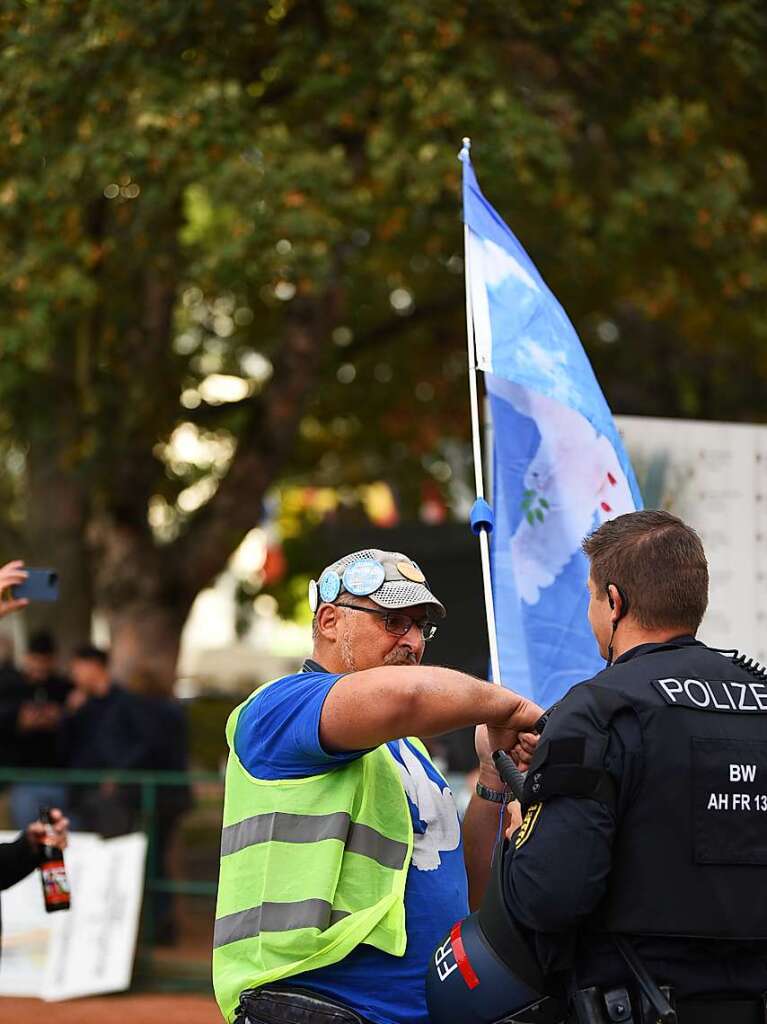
182 180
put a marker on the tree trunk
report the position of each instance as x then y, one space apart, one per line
56 538
145 642
146 590
137 589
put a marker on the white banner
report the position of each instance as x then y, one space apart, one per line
714 476
88 949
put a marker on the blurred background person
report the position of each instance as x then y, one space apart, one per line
169 751
39 667
32 704
107 728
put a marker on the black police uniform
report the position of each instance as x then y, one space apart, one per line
646 816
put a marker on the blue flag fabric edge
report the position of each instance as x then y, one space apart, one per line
485 223
542 652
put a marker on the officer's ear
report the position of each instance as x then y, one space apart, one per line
617 601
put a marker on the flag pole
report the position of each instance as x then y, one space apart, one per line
481 513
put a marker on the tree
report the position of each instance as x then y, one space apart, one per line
231 250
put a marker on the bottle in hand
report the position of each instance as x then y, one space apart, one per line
53 873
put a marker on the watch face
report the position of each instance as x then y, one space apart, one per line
314 595
330 585
364 577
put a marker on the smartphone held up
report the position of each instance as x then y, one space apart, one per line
40 585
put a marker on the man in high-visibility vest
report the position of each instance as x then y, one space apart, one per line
342 861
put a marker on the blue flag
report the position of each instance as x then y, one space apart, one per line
559 466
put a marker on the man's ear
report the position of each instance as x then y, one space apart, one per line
327 622
618 604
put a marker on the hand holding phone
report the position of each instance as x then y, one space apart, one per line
11 574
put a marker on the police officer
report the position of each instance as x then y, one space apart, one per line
636 882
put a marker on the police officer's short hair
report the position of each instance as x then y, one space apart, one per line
657 562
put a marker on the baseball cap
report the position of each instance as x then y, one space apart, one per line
389 578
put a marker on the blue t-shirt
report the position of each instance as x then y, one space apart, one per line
277 737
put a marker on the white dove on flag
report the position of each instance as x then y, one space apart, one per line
573 483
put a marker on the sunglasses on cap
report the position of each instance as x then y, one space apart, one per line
361 578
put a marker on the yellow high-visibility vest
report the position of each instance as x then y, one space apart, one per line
310 868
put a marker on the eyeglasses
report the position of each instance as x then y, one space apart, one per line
397 622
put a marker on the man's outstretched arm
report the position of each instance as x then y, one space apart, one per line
365 709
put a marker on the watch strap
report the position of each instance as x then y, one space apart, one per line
496 796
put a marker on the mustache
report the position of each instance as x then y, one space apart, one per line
401 656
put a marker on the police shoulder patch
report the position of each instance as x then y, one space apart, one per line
528 824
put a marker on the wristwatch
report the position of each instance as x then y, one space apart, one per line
496 796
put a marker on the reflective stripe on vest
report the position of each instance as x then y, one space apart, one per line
283 827
275 917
